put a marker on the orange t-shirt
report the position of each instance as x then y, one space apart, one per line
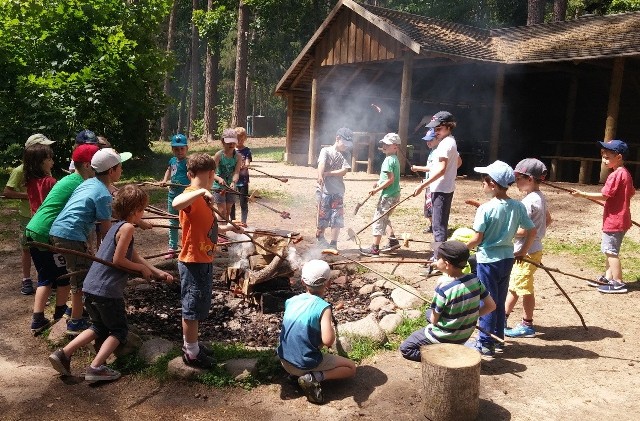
199 232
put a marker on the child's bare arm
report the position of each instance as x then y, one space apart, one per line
437 170
488 305
156 273
11 193
529 239
434 317
587 195
167 176
123 239
475 240
326 328
104 227
384 185
185 199
549 220
236 171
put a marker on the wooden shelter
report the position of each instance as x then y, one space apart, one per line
548 90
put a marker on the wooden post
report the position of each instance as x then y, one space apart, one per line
451 381
613 108
289 142
405 107
494 141
313 120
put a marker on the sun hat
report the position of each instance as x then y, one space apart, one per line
390 139
500 172
38 139
84 153
107 158
315 273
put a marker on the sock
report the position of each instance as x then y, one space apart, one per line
192 350
28 278
528 322
317 375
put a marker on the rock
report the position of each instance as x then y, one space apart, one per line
411 314
143 287
390 322
367 289
377 294
58 332
133 344
177 368
241 368
334 273
378 302
366 328
384 284
346 344
370 276
155 348
357 282
389 308
406 297
340 280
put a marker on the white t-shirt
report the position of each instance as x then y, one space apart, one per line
536 205
447 148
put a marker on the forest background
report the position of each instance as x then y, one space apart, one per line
137 71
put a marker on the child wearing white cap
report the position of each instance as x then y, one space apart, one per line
306 328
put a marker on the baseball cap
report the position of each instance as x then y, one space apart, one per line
84 153
531 167
431 134
439 118
315 273
500 172
86 136
38 139
108 158
230 136
391 139
346 134
617 146
178 140
454 252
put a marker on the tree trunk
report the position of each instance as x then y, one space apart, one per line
211 88
165 131
195 73
559 10
239 117
182 112
535 12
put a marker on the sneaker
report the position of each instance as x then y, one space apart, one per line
600 280
201 361
333 245
38 326
498 348
392 245
171 254
27 287
60 362
613 287
311 388
75 327
203 348
486 351
520 330
322 242
372 251
102 373
428 230
61 312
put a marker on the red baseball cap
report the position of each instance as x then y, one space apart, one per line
84 152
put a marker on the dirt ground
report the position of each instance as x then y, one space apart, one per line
565 372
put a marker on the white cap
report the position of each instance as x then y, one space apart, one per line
107 158
391 139
38 139
315 273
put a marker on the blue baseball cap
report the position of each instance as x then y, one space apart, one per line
86 136
617 146
500 172
178 140
431 134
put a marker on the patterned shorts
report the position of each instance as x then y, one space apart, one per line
330 210
384 204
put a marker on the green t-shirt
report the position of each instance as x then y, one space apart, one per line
390 164
40 225
16 182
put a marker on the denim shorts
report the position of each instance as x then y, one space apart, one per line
195 289
611 242
108 317
50 266
223 198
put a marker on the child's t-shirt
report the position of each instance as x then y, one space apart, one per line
619 190
16 182
178 171
391 164
448 149
458 304
226 168
536 205
300 337
37 190
199 232
333 160
498 220
40 224
245 153
89 203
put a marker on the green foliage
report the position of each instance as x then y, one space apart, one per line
362 348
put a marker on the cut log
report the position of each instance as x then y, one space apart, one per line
258 261
451 380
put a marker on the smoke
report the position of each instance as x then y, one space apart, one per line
239 253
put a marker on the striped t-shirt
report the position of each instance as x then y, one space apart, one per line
458 303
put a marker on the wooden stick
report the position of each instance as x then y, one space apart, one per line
383 215
359 205
548 270
161 184
160 217
281 179
376 260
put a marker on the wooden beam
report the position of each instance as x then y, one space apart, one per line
289 144
302 73
405 107
352 77
313 120
613 108
494 140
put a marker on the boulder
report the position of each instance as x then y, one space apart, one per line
378 302
241 368
390 322
411 314
365 328
177 368
133 344
384 284
155 348
367 289
407 297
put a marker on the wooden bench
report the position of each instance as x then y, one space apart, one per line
586 164
363 141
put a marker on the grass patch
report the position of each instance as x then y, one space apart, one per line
280 196
362 348
268 154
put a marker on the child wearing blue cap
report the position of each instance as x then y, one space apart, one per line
496 224
616 193
176 174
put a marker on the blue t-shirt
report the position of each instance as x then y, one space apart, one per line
178 170
90 202
498 220
245 153
300 338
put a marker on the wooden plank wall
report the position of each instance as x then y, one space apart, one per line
300 124
351 39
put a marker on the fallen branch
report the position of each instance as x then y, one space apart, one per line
281 179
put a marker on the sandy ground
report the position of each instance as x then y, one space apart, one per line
565 372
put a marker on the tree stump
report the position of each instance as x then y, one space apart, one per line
451 379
